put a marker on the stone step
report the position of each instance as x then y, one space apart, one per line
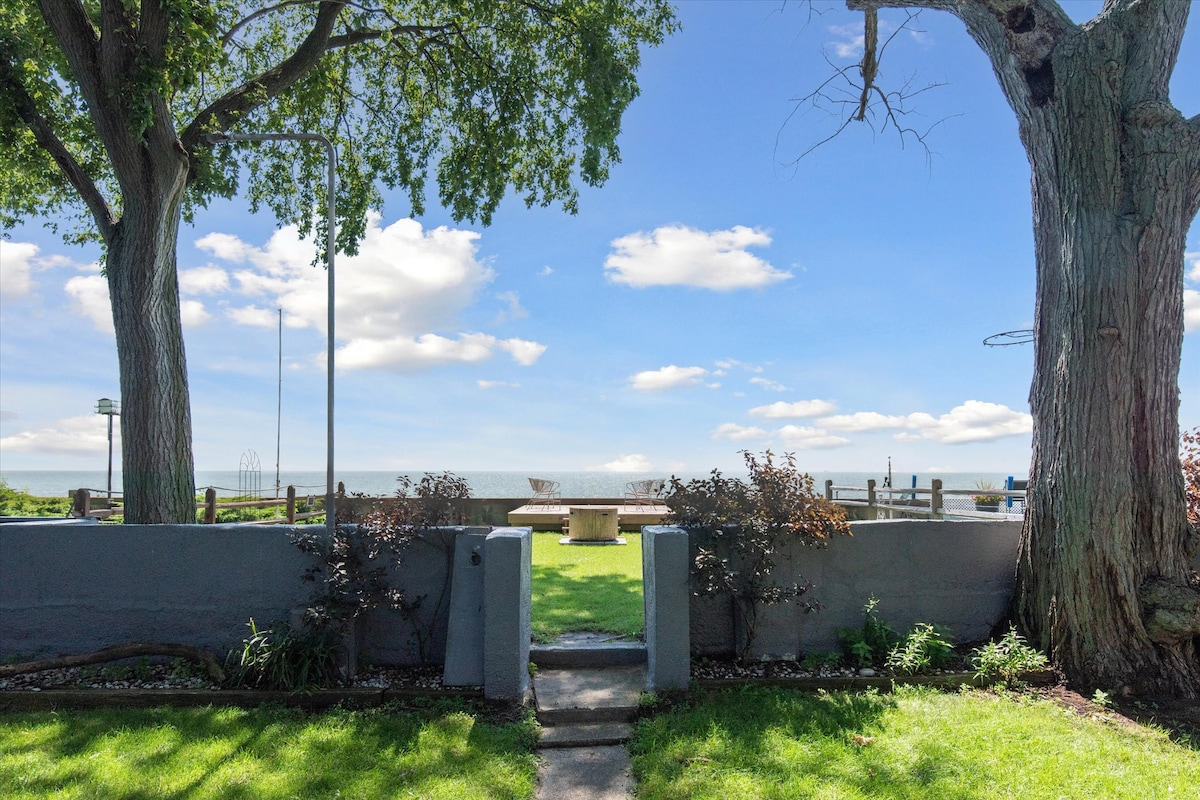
593 734
605 694
599 654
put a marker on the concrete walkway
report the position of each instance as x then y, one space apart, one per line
586 714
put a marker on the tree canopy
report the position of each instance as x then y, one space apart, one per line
106 105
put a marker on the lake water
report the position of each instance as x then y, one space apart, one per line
58 483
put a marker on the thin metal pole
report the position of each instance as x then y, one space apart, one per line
330 247
279 405
110 416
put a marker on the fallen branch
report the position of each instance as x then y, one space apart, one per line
118 651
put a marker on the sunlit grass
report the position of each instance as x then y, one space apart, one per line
444 752
594 588
916 743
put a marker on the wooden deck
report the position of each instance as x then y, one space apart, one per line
550 518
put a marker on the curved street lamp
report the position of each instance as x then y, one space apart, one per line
330 247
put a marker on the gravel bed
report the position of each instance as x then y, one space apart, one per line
716 669
166 676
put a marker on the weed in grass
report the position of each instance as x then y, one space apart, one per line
926 647
871 643
1005 660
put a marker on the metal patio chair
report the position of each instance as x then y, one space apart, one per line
642 494
545 493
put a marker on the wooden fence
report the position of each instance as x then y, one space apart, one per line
83 507
933 502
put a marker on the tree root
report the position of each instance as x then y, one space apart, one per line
118 651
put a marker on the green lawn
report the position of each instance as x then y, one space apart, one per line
586 587
914 744
221 753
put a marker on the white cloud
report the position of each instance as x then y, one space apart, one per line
798 410
634 462
973 421
863 421
16 267
680 256
90 293
253 315
770 386
72 436
669 377
203 280
1192 270
739 433
1191 310
512 307
193 314
405 283
805 438
497 384
546 270
403 353
850 41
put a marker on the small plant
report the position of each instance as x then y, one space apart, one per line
1005 660
1102 698
285 659
926 647
1189 458
987 495
740 529
871 643
355 567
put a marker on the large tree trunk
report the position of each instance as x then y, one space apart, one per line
156 423
1103 578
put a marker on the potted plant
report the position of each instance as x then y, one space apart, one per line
987 499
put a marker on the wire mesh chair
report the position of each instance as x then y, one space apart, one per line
545 493
642 494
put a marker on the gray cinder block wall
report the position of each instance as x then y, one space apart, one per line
955 573
73 589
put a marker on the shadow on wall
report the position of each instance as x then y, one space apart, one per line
955 573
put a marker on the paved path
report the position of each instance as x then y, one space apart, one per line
586 714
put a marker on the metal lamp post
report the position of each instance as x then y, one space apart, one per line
109 409
330 247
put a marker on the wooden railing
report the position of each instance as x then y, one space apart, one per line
83 507
932 502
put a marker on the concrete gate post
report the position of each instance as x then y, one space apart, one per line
666 578
507 602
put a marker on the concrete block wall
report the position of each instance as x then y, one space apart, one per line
955 573
73 589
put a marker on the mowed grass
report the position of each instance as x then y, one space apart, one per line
586 588
265 753
913 744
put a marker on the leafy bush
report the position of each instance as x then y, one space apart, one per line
1005 660
16 503
926 647
740 528
355 566
284 659
871 643
1190 457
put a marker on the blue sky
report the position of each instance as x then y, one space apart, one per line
711 297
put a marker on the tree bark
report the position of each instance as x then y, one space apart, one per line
1106 527
1103 581
156 423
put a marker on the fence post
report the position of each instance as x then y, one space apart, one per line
82 505
210 506
828 490
1008 486
291 505
935 498
872 509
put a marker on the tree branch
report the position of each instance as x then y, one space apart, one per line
43 132
223 112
